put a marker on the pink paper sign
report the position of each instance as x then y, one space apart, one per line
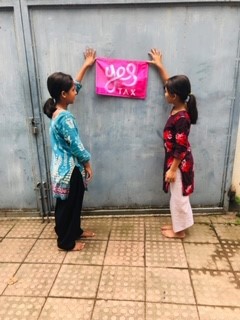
121 78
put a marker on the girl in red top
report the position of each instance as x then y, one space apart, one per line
178 164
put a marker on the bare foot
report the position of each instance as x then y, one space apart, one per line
78 246
172 234
87 234
166 227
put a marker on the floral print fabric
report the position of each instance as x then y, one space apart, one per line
176 145
67 152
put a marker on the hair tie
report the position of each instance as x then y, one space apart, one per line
188 97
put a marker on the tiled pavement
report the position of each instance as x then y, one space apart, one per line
127 272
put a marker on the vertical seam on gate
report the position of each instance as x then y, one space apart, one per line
45 198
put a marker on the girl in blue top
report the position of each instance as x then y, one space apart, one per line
70 166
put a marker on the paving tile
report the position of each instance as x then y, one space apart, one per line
228 232
215 288
206 256
165 220
6 226
201 233
122 283
93 253
168 285
26 229
49 232
67 309
20 308
107 280
45 251
224 218
164 311
7 271
15 250
76 281
153 230
118 310
130 253
33 280
218 313
165 254
100 226
127 229
232 249
202 219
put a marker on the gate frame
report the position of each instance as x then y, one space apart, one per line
43 173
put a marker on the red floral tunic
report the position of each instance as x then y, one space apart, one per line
176 145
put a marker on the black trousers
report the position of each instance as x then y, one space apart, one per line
68 213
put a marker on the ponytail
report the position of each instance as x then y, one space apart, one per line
192 108
49 107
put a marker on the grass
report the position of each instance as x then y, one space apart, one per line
237 200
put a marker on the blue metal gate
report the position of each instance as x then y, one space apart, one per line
197 38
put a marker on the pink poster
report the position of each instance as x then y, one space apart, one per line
121 78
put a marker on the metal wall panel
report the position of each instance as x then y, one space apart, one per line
124 136
16 162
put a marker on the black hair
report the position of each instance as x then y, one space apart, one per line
56 83
180 85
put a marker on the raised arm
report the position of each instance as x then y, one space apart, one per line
90 57
156 56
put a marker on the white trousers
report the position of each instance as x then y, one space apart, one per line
180 207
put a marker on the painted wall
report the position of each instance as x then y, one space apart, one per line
16 166
124 136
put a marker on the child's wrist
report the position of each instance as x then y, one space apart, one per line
86 65
159 65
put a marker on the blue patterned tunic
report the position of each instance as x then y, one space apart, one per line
67 152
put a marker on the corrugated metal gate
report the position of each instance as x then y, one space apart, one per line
198 38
